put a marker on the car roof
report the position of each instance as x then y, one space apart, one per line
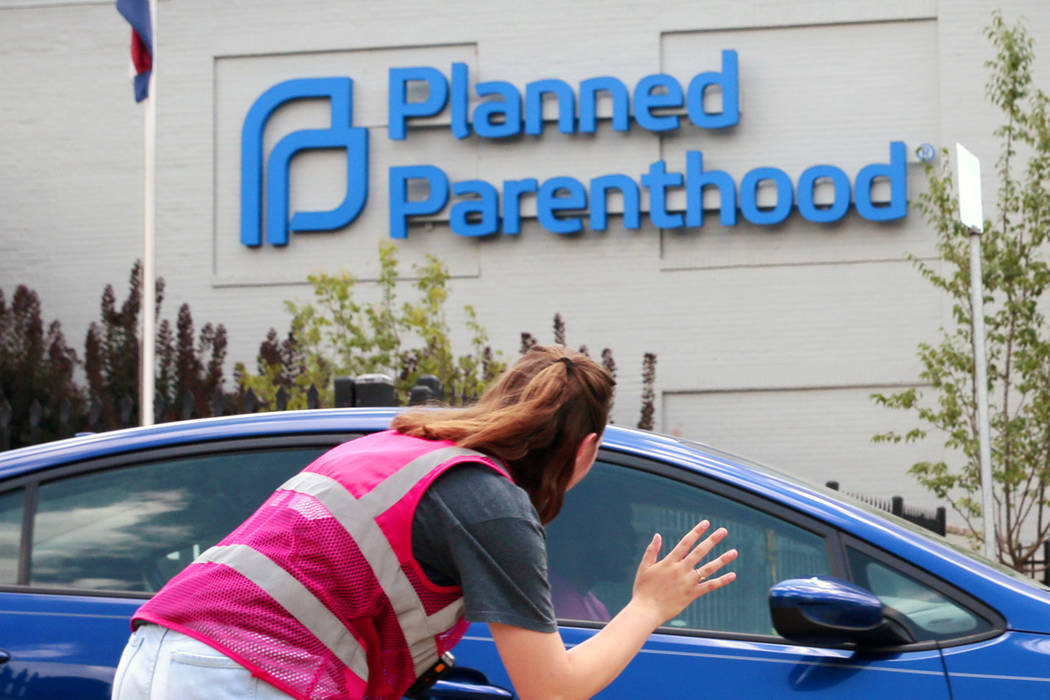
113 442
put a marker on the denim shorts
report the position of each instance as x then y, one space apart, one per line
162 664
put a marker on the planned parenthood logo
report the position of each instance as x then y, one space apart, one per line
498 110
341 134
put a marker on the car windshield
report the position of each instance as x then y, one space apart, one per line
886 515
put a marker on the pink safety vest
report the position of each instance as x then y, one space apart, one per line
318 592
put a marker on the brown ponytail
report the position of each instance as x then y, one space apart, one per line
533 419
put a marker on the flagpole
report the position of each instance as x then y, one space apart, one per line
149 274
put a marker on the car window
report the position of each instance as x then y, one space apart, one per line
11 505
595 544
932 614
133 528
837 495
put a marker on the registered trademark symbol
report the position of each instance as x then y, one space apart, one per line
927 153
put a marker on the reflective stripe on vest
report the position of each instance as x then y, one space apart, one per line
358 518
295 598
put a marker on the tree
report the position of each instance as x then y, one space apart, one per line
189 375
645 420
190 370
1016 279
111 353
36 367
279 364
336 335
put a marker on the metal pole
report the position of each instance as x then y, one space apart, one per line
149 275
981 381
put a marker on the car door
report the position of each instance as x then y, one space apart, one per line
982 658
724 643
82 546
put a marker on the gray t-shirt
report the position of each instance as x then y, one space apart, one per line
476 529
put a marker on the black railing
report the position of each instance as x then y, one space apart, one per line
931 520
936 521
1035 566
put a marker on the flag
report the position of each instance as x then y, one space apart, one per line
136 12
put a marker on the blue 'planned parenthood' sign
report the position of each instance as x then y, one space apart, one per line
482 208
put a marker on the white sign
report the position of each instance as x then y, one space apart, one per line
970 211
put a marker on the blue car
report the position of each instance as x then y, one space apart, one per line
832 599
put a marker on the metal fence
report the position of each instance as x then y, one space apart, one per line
1035 567
931 520
936 521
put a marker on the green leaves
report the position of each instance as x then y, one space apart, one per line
337 335
1016 279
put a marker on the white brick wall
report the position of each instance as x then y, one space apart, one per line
768 340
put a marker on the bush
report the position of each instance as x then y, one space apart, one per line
337 336
189 376
39 400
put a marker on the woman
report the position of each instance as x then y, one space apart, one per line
357 575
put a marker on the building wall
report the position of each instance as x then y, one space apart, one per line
769 339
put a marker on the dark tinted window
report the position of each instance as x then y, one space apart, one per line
133 528
11 504
596 542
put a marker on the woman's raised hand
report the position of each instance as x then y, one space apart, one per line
666 586
538 663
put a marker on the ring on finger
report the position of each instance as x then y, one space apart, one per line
700 577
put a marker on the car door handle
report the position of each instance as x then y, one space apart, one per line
466 691
4 657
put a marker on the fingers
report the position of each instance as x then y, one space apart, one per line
715 583
690 539
693 557
666 586
688 554
652 552
710 568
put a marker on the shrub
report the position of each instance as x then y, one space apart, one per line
39 400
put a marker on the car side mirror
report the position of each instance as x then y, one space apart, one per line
826 611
